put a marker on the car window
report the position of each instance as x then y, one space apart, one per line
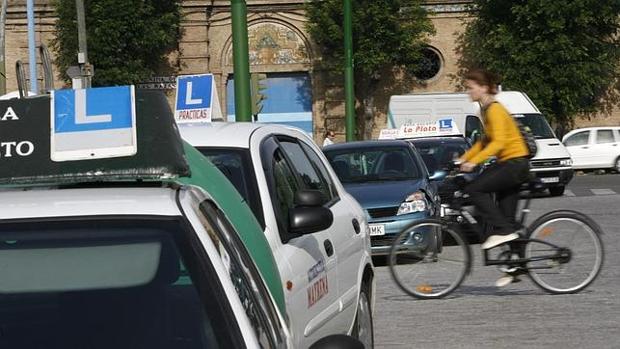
604 136
236 165
438 153
374 164
323 173
535 123
304 168
473 127
579 138
245 276
285 188
122 283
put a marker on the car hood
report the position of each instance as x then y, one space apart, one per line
383 194
550 148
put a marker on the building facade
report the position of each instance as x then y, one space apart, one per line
281 48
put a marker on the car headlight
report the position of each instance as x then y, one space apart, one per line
415 202
566 162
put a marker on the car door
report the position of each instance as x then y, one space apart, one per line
312 283
604 148
579 148
346 236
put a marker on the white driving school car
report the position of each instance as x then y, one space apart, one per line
328 275
112 237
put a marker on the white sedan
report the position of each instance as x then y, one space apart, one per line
594 148
327 272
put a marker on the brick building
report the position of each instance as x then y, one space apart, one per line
281 48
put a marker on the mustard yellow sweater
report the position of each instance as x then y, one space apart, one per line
502 137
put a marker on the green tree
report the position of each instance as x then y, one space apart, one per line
128 40
387 35
564 54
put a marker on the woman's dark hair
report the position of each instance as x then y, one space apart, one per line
484 78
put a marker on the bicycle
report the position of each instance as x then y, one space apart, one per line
430 258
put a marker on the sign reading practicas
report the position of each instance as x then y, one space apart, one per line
13 147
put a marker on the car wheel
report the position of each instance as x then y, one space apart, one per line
617 165
556 191
363 327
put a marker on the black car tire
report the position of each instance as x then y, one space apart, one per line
557 191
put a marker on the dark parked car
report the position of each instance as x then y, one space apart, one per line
390 181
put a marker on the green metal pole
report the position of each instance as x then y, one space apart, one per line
3 10
349 93
243 104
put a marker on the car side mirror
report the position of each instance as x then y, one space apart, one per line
309 215
338 341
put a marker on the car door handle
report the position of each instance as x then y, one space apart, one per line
356 226
329 248
585 147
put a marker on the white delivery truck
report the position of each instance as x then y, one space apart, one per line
433 107
552 163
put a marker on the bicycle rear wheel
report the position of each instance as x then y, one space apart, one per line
566 252
429 260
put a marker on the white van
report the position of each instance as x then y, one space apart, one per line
552 163
433 107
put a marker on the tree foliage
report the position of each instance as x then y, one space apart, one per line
386 34
564 54
128 40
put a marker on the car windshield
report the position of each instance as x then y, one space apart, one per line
437 153
374 164
236 165
107 284
537 124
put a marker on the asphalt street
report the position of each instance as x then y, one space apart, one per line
479 315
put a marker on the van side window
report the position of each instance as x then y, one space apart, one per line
604 136
473 127
579 138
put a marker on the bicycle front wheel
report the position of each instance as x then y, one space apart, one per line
565 252
429 260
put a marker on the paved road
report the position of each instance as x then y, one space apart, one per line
592 185
519 316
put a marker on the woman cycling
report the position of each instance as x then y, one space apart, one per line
502 140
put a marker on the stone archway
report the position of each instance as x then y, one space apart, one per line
280 51
272 43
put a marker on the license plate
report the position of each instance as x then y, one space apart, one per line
550 179
376 229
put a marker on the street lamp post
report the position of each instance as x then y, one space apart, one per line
32 55
3 10
349 102
243 105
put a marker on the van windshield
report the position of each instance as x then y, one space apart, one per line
537 124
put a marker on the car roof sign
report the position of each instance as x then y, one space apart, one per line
114 134
439 128
85 125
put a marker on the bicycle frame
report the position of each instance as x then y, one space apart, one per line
516 246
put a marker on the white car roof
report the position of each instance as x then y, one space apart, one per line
227 134
595 128
35 203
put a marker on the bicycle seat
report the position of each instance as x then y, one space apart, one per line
535 185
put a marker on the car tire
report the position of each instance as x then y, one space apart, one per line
363 326
557 191
617 165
